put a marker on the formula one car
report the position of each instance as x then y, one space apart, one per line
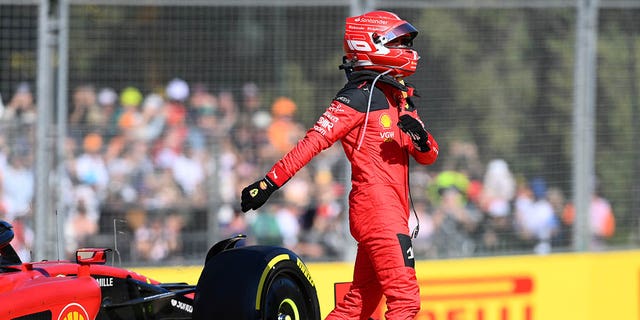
237 282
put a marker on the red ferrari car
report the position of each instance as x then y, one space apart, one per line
237 282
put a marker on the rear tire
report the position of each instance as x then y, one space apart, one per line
258 282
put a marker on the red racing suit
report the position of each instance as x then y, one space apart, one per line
378 202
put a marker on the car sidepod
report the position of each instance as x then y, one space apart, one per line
42 297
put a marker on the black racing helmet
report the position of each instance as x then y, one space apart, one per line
6 233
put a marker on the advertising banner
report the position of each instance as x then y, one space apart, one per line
592 286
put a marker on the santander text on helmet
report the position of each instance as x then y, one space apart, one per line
371 20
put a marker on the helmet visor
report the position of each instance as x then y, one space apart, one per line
401 35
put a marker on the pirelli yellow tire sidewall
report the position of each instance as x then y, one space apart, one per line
258 282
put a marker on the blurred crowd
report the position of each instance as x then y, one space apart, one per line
162 162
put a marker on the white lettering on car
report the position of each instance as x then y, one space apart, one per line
182 306
105 282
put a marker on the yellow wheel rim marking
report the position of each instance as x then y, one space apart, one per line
293 306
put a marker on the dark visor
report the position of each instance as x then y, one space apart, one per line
406 31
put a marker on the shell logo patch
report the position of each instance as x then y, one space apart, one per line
73 311
385 121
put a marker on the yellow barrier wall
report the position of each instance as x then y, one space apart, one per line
593 286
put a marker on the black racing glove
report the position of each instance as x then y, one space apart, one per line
416 131
256 194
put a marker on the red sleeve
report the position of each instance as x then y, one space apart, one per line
337 120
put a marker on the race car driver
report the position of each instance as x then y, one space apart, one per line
377 123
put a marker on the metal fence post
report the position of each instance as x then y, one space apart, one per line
61 116
583 117
43 218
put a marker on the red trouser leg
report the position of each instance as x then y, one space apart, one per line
379 223
363 296
381 269
390 256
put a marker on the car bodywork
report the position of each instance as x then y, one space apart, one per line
89 289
